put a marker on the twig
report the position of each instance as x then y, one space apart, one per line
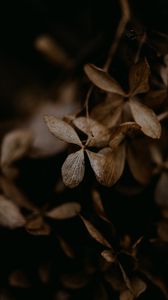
162 116
142 41
126 279
86 105
125 16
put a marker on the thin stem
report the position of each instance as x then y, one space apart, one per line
162 116
125 16
86 105
142 41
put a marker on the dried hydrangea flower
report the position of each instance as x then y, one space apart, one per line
98 136
121 100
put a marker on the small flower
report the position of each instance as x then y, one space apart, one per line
98 136
115 106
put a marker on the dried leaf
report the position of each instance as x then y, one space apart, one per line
161 192
95 233
14 146
64 211
62 130
98 135
103 80
139 78
10 215
73 169
146 118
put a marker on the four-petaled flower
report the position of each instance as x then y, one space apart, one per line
98 136
113 109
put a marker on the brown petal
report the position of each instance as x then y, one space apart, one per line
103 167
139 161
139 78
108 256
103 80
73 169
12 192
62 130
161 192
37 226
154 99
98 205
95 233
98 134
164 75
146 118
109 112
126 129
64 211
138 287
14 146
118 157
10 215
126 295
66 248
155 154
